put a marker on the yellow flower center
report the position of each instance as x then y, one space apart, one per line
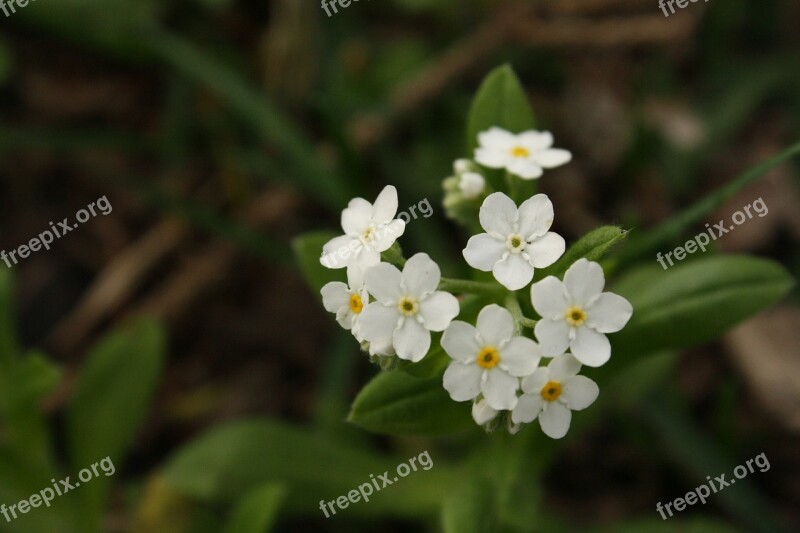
408 306
488 358
551 391
575 316
356 305
515 243
368 235
519 151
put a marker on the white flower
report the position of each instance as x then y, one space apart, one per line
462 165
407 307
524 155
471 184
369 230
515 241
482 413
488 359
577 314
346 300
552 393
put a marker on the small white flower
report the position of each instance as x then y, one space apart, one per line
369 230
516 240
462 165
407 307
552 393
524 155
471 184
482 413
488 359
576 314
346 300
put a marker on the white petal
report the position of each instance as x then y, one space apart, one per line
460 166
546 250
336 253
335 295
471 184
387 233
527 409
421 275
495 325
385 205
549 299
564 366
496 137
609 313
355 278
384 282
482 413
364 258
411 340
533 384
346 318
492 157
463 382
535 216
513 272
590 348
498 214
555 420
579 392
438 310
553 336
483 251
377 322
381 347
552 157
535 141
357 216
500 389
460 341
524 168
584 281
520 356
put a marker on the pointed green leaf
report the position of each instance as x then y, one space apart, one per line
501 102
593 246
397 403
258 510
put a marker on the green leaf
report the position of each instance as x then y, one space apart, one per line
396 403
112 396
667 232
593 246
258 510
471 507
33 377
9 349
233 459
308 250
501 102
695 302
696 524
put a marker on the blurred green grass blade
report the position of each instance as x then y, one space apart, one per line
254 107
258 510
593 246
701 458
112 397
232 459
651 241
470 507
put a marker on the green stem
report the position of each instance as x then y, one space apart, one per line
516 311
394 255
528 322
469 286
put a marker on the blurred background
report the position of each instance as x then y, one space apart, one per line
221 129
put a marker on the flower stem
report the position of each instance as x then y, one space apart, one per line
528 322
394 255
469 286
516 311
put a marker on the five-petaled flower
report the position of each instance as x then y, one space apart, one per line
346 300
488 359
576 313
524 154
369 230
551 394
407 307
516 240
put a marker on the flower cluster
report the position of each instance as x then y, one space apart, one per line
393 306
